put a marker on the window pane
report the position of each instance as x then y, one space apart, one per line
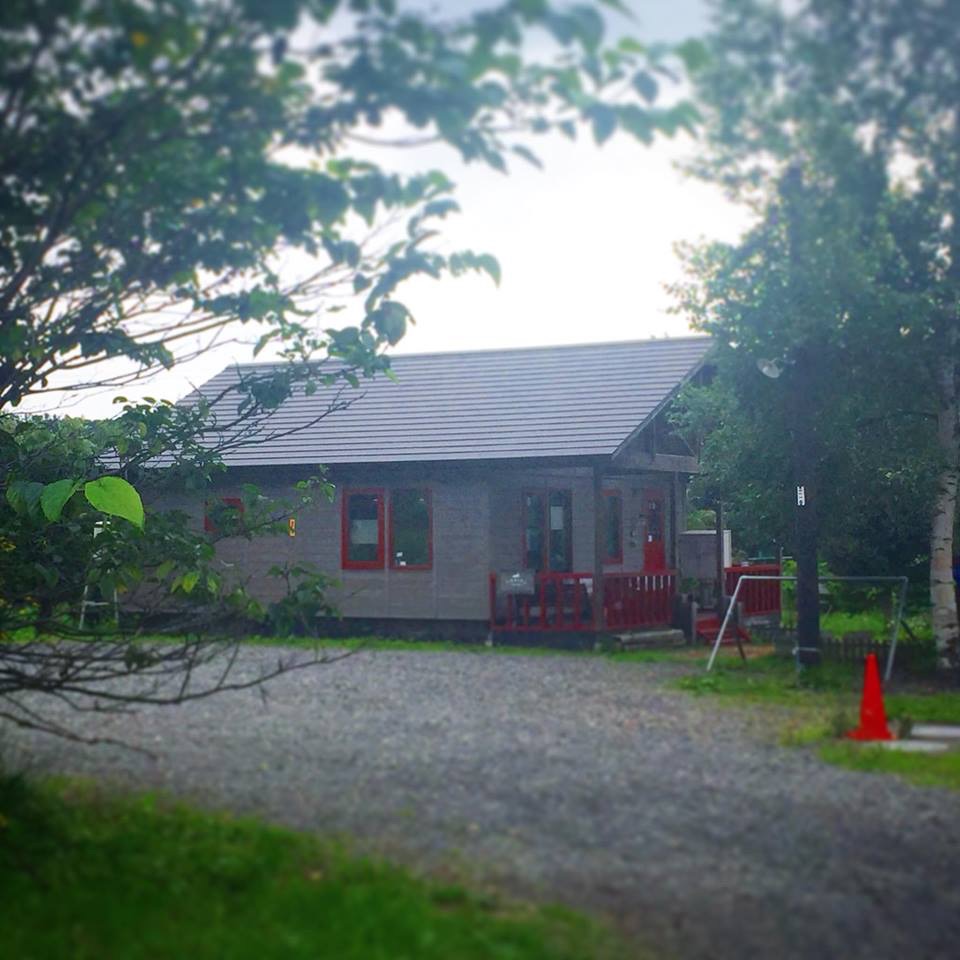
559 501
533 534
410 519
224 516
363 517
613 526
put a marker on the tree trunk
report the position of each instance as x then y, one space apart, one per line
943 596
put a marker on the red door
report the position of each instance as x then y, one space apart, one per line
654 552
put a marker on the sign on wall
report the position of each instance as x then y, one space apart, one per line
517 582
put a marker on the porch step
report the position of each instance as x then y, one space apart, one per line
644 639
709 626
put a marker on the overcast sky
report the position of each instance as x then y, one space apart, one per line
586 245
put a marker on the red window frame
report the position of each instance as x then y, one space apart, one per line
428 496
545 493
208 525
612 558
345 562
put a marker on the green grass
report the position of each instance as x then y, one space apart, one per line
87 875
691 656
925 707
816 708
671 655
872 621
925 769
385 644
769 679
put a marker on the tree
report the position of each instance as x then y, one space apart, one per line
850 108
160 163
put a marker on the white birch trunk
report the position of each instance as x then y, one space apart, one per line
943 597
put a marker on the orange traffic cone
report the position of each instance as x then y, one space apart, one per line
873 718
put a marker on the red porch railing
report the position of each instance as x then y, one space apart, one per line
565 601
759 597
560 601
638 599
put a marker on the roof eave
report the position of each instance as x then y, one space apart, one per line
660 406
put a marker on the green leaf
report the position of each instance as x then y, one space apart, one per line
636 121
390 321
9 448
189 581
694 55
645 85
24 496
489 263
113 495
631 45
55 495
604 120
521 151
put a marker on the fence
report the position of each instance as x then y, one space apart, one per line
759 597
633 600
565 601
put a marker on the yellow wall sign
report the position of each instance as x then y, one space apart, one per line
292 526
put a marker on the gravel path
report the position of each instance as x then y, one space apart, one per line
572 778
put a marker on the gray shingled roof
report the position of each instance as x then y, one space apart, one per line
492 404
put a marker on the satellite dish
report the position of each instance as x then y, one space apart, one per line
769 368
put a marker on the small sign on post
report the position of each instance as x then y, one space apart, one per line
517 582
292 527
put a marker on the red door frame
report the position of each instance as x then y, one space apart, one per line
654 550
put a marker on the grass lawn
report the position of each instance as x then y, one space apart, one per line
671 655
817 707
89 875
929 770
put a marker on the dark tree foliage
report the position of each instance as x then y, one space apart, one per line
836 122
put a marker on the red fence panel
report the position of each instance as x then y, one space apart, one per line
566 601
759 597
560 601
638 599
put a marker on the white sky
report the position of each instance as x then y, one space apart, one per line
586 245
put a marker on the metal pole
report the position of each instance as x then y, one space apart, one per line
719 553
726 618
896 630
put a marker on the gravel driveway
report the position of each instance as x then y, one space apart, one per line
572 778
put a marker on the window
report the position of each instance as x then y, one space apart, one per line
361 532
411 529
547 524
612 529
223 516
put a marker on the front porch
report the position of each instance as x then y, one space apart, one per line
558 602
549 601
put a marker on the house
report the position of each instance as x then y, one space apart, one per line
498 490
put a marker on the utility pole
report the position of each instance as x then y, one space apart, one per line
804 443
805 524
